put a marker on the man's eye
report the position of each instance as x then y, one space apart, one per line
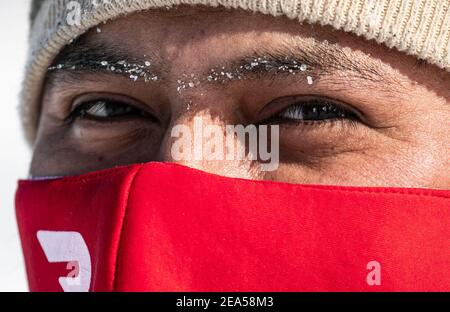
315 110
104 110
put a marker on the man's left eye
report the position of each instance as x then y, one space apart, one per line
315 110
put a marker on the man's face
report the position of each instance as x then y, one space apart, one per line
350 112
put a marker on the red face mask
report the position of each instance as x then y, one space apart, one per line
164 227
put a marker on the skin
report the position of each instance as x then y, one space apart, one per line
402 106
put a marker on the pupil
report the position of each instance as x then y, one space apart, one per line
321 112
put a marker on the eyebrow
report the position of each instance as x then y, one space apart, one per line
316 60
100 58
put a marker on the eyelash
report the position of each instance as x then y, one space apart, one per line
313 111
82 111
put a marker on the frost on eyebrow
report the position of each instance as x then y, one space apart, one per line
311 61
94 57
257 66
133 71
246 68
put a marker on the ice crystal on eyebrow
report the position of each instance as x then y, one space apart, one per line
59 66
255 65
133 71
310 80
189 105
99 30
187 82
221 75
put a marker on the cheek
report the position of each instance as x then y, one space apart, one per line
390 163
60 153
427 152
48 153
114 139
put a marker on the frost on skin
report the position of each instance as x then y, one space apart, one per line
219 75
139 69
134 71
260 64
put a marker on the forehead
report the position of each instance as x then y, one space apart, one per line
201 32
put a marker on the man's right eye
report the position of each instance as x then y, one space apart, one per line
105 110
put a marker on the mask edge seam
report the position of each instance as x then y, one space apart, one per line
122 225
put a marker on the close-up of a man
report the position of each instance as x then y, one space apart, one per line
242 145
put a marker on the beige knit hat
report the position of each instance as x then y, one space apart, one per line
417 27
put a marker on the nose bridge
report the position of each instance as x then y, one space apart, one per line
197 137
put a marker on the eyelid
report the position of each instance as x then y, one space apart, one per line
103 96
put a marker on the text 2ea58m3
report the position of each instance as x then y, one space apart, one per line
246 301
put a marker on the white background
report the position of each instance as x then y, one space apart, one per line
14 153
